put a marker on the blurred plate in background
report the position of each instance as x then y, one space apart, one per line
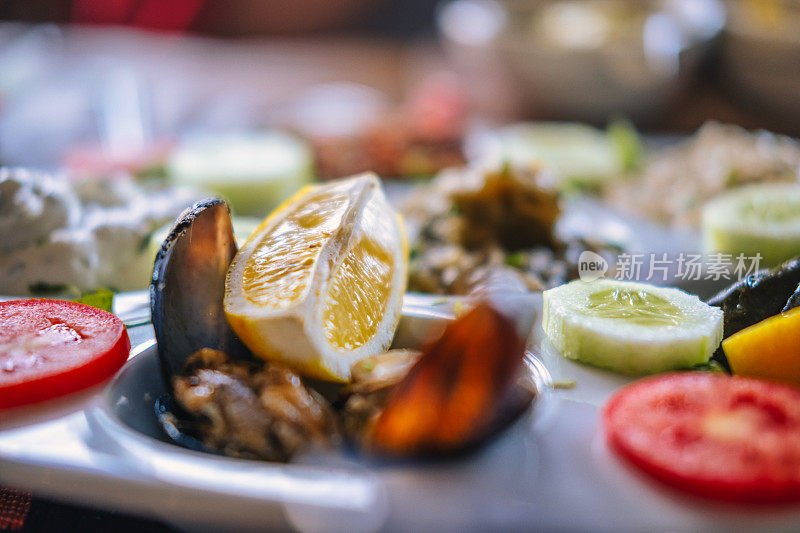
585 59
761 55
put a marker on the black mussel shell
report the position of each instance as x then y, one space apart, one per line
179 426
188 286
758 297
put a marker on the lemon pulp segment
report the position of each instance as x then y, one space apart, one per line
357 296
278 272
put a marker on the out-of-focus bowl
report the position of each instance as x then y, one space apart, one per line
585 59
761 55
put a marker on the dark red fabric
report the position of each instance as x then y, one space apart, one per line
174 15
14 508
154 14
102 11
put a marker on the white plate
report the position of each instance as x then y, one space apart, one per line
549 471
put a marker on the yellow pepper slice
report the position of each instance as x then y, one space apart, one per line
769 349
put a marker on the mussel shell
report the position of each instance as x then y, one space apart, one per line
463 390
794 300
177 425
757 297
188 285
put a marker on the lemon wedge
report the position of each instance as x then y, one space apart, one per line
319 285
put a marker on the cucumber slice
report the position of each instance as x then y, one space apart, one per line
582 157
253 171
629 327
762 218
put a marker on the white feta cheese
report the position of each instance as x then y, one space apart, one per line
67 259
32 205
121 240
83 236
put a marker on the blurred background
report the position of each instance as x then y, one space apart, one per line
99 84
140 107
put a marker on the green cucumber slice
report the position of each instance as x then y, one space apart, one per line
630 327
758 219
253 171
580 156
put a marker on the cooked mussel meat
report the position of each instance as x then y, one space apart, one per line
249 409
402 403
373 379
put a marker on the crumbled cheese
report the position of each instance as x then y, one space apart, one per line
87 235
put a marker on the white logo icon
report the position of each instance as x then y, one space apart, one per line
591 266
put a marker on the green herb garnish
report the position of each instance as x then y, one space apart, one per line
101 299
627 143
564 384
516 259
712 366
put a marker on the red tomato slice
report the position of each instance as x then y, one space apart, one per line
49 348
728 438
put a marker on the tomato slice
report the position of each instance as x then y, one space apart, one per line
721 437
49 348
